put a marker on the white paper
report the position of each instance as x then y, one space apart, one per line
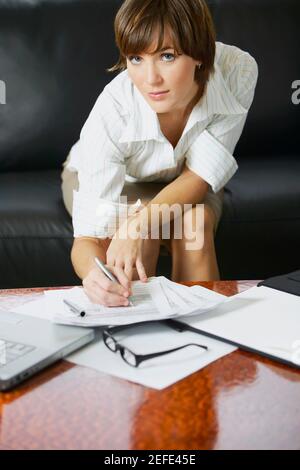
149 304
157 299
156 373
260 318
162 303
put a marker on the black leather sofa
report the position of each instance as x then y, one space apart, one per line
53 56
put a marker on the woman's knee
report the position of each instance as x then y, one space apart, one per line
198 226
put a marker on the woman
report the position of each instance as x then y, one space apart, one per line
171 150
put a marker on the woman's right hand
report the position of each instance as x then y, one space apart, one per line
101 290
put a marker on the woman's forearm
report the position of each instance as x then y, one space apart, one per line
84 251
188 188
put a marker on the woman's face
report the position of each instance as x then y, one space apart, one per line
165 71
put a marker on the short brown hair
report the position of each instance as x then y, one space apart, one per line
190 23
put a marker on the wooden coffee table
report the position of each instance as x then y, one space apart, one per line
241 401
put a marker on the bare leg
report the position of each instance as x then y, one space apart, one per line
150 258
200 264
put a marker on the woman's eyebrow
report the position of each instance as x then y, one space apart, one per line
163 49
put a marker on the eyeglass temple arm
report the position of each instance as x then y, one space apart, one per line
162 353
179 326
176 325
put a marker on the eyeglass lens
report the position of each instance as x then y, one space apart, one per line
126 354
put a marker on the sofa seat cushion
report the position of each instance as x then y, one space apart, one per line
261 219
35 231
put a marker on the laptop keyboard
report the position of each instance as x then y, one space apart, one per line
9 351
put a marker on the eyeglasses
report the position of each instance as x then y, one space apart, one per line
133 359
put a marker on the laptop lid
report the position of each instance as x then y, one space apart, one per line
29 344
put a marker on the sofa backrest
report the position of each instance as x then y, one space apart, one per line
268 30
53 56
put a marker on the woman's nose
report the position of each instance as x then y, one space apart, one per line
153 75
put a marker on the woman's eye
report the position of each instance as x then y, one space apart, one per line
132 57
162 55
169 54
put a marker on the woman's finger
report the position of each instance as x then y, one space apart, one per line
128 270
107 298
141 270
122 278
106 284
110 260
112 287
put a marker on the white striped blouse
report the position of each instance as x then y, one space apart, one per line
122 140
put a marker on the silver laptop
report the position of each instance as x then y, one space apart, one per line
29 344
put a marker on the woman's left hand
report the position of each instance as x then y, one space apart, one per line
126 250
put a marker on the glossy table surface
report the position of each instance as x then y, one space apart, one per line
241 401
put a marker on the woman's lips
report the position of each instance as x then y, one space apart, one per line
157 96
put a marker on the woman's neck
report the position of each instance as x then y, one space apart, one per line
181 116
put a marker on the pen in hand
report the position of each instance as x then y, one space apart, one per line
108 274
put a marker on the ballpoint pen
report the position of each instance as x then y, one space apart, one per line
108 274
74 308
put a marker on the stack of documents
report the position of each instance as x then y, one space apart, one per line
157 299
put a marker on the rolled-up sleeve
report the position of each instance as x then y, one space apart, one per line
211 154
101 172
